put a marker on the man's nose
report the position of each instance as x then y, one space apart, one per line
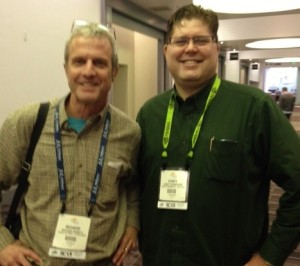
89 68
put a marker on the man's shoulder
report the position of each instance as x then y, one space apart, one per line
286 96
121 117
24 117
242 89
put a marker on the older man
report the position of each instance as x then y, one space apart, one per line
81 206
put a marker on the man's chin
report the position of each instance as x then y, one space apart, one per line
87 99
191 78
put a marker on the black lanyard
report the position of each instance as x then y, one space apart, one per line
60 161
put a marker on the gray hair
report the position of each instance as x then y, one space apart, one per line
93 30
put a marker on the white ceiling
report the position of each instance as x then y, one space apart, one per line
164 8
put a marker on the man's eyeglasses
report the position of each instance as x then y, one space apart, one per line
199 41
80 23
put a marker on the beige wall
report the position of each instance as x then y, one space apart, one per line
33 34
123 85
32 44
137 79
145 69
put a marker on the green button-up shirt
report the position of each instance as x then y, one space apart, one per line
245 141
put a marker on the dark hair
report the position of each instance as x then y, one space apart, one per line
191 12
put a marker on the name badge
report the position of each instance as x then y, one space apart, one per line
173 190
70 236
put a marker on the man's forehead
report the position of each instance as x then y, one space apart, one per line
90 39
185 24
189 22
89 45
92 42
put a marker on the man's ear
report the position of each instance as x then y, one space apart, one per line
65 67
218 47
165 48
114 73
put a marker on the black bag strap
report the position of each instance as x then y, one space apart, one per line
26 166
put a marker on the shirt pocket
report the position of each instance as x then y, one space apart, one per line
225 160
109 189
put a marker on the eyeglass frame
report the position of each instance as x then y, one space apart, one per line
187 40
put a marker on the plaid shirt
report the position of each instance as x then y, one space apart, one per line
117 203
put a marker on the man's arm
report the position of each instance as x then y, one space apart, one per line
129 239
14 138
282 152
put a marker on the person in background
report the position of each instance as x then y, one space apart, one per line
286 102
209 150
277 95
82 203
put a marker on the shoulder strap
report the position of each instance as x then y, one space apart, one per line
35 135
26 166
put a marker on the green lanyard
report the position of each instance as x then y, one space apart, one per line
169 119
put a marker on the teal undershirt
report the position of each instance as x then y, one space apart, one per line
76 124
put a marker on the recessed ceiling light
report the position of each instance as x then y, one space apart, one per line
250 6
275 43
283 60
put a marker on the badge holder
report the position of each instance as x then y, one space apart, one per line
70 237
173 190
